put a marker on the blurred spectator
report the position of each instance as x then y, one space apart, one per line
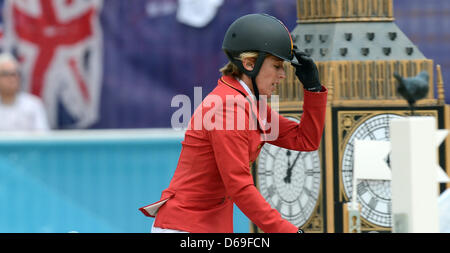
18 110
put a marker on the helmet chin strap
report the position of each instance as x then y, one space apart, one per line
255 88
253 73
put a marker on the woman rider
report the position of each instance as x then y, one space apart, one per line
213 170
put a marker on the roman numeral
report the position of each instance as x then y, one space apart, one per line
271 191
361 189
308 192
373 203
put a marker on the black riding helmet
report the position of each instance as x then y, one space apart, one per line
261 33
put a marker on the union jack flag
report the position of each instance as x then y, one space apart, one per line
59 45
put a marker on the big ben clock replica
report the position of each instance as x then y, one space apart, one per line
357 48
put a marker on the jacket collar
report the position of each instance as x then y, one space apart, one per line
233 83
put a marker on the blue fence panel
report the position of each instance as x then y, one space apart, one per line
85 185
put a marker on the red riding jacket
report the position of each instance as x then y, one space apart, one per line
213 170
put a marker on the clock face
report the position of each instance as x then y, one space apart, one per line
290 181
373 195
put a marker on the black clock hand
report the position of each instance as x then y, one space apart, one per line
287 178
298 155
288 153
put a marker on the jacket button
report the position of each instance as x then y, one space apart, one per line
259 146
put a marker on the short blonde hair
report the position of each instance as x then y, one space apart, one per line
230 69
